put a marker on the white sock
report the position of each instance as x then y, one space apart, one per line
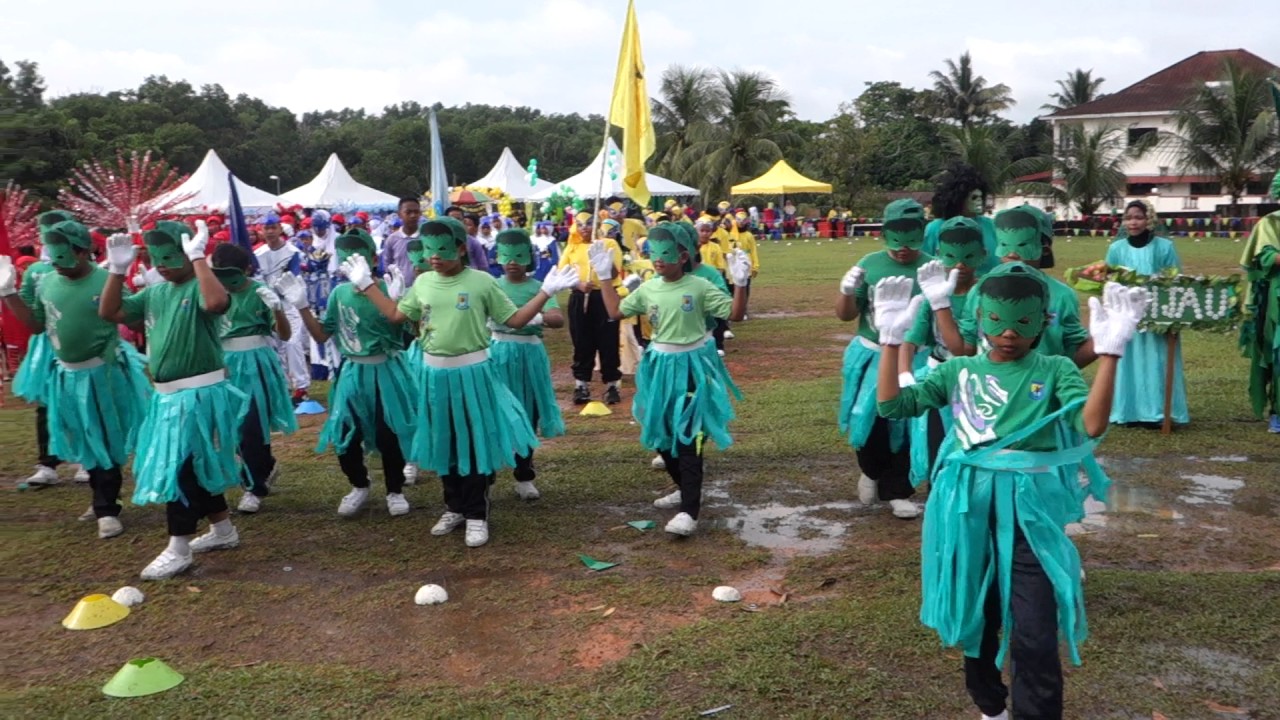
180 544
579 383
223 527
613 384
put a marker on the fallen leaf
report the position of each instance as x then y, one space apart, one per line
608 612
1157 715
1159 685
1148 535
1225 709
193 589
597 608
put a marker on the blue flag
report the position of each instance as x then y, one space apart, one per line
236 223
439 180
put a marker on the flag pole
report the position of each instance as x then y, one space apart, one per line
604 162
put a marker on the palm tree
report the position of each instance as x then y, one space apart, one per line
688 103
1090 165
1225 131
1079 88
743 140
962 96
983 148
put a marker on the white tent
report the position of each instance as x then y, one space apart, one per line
511 178
587 183
335 188
209 190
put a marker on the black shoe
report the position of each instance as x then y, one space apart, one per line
611 396
581 395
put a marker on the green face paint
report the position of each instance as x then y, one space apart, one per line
906 234
969 253
1026 316
444 247
668 251
418 256
166 254
61 253
1024 243
517 253
233 279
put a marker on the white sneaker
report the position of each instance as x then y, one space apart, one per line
249 503
213 541
87 515
526 491
109 527
658 463
868 492
1002 716
682 524
905 509
166 565
82 475
728 335
477 533
397 505
720 353
447 523
668 502
353 501
410 473
44 476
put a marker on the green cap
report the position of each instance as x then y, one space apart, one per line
53 217
965 229
455 226
904 209
1023 216
166 232
70 231
144 676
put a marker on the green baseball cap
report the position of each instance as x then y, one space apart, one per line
53 217
904 209
70 232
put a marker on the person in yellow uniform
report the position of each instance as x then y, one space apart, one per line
745 240
710 255
591 330
724 231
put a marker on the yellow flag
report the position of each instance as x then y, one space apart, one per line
630 111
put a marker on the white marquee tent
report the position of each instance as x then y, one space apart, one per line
209 189
335 188
511 178
587 183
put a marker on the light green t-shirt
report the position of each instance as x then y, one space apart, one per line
453 312
708 273
1064 334
356 325
991 400
924 331
247 316
520 294
878 266
31 281
68 310
678 310
182 337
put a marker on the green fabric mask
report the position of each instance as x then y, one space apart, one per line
514 246
1025 317
61 253
233 279
354 243
444 247
904 234
960 242
418 256
62 238
666 250
164 244
1018 234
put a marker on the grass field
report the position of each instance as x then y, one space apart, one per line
313 616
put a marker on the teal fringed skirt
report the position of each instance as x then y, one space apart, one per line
354 398
857 412
722 370
32 379
521 363
96 408
198 423
681 397
257 372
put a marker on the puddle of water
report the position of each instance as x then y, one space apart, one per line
1123 499
1124 465
790 528
1210 490
1229 458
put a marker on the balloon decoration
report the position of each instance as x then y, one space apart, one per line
496 196
561 199
132 193
18 215
531 173
613 164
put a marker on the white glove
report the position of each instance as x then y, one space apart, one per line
120 252
194 246
937 284
852 280
269 297
739 267
292 290
895 309
356 268
632 282
560 279
132 224
601 258
906 379
8 277
395 283
140 280
535 321
1114 320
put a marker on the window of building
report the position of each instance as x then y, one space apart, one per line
1190 203
1136 135
1140 188
1206 188
1164 169
1257 187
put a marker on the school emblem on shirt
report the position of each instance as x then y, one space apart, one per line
464 301
686 303
186 303
1053 319
1037 390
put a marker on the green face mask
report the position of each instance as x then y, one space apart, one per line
668 251
903 235
444 247
418 256
233 279
1026 317
519 254
166 255
1024 243
970 253
61 253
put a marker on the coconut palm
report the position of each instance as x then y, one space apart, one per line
743 140
688 104
1089 168
962 96
1227 130
1078 88
989 153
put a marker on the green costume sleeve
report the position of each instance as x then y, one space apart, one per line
37 309
1071 387
634 304
717 304
134 306
928 394
410 306
967 323
30 279
1074 333
330 320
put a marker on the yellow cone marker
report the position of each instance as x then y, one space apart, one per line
93 612
595 408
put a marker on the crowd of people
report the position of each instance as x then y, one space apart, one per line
965 371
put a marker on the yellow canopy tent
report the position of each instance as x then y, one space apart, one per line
782 179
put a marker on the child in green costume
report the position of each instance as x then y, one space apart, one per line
994 548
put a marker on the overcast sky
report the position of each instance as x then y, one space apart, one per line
560 55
